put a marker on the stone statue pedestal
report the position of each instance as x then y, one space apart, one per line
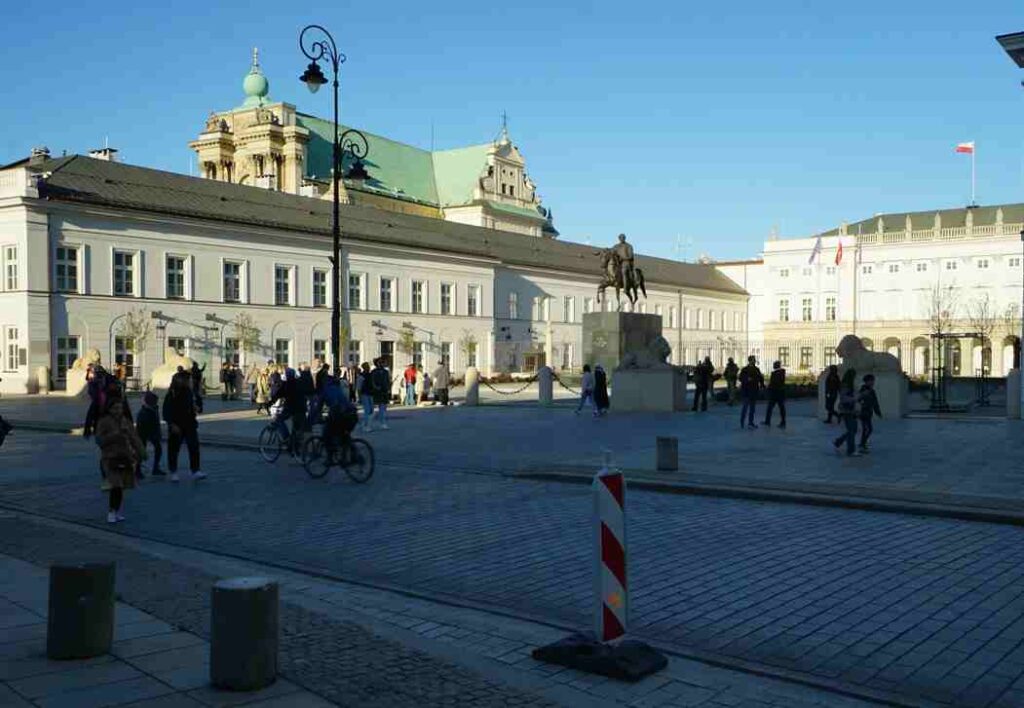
608 336
661 390
891 384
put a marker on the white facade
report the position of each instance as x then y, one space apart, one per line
884 287
80 269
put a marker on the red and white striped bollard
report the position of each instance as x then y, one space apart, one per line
610 580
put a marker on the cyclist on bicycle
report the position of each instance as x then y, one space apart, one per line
341 414
294 407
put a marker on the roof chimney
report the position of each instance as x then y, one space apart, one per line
105 153
39 155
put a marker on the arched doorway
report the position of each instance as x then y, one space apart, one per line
892 346
952 358
921 362
1011 353
981 357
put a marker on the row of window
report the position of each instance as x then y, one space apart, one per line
807 309
983 263
419 302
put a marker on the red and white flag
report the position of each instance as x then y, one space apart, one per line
966 147
839 253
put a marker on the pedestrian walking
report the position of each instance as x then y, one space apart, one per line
776 394
731 374
147 426
868 401
409 379
847 414
428 385
601 401
365 396
252 375
179 412
263 390
380 389
322 374
587 390
197 385
751 383
442 380
120 451
225 381
831 393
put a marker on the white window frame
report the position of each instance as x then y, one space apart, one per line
1013 262
951 265
313 288
360 282
673 317
354 352
568 308
867 269
513 305
77 249
243 280
783 272
893 268
830 270
473 300
831 308
921 267
67 353
422 309
125 347
136 271
11 272
316 352
186 276
784 310
288 355
451 298
11 342
393 295
231 354
289 271
806 309
982 264
183 351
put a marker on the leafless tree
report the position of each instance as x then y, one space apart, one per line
983 318
136 328
942 307
247 332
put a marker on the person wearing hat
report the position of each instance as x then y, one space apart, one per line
147 425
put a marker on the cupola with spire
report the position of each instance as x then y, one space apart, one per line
255 84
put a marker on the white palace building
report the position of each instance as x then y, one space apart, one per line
448 254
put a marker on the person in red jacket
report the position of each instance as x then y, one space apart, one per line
409 377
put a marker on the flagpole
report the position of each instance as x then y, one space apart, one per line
974 150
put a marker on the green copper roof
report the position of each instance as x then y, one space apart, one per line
456 173
395 168
255 84
525 212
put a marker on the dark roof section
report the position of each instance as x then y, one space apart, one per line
923 220
85 179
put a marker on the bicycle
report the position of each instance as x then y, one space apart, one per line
354 455
271 443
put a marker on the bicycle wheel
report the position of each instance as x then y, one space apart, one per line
314 457
359 461
270 443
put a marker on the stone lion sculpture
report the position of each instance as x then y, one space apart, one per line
855 355
163 373
654 356
76 383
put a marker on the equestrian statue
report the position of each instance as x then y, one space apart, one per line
617 270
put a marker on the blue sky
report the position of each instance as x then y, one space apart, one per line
653 118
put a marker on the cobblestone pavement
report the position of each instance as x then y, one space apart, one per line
925 460
924 610
490 647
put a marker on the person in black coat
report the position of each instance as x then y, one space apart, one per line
322 375
179 412
751 383
868 400
776 394
832 393
196 376
600 390
290 393
147 425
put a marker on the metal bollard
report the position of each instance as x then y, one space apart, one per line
668 454
244 634
80 622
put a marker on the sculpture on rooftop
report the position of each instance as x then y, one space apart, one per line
618 270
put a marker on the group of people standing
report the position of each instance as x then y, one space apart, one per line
418 385
123 443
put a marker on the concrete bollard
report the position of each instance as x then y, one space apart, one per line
244 634
545 385
668 454
1013 396
43 379
472 386
80 623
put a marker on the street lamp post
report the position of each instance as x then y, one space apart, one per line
1013 45
351 141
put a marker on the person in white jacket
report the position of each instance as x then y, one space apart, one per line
587 390
442 379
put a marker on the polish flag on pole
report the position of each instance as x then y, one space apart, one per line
966 147
839 253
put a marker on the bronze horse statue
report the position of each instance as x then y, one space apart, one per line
614 275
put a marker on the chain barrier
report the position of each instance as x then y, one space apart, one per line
510 393
564 385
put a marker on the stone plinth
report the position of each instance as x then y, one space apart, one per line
608 336
244 634
656 390
80 621
1013 395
